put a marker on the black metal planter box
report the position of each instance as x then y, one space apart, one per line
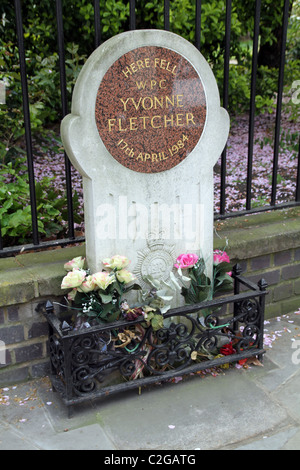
82 360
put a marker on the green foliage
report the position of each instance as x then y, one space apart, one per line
293 43
39 22
15 209
42 61
44 95
103 305
114 18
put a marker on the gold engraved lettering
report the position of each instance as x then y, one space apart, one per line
136 66
190 118
140 64
169 101
179 120
136 105
120 126
111 123
163 64
149 102
179 145
170 120
143 119
124 146
124 103
152 157
179 101
134 123
141 85
133 67
159 101
152 122
127 71
152 84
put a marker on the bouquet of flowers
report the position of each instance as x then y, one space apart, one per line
99 296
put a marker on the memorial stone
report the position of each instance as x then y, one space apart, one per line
145 131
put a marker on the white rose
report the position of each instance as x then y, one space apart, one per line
116 262
103 279
75 263
73 279
125 276
88 285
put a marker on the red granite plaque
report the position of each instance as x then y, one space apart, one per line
150 109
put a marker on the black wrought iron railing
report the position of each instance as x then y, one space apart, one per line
134 11
83 359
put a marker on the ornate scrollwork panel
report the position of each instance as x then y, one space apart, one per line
136 350
57 356
248 311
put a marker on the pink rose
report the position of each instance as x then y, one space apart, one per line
186 260
221 257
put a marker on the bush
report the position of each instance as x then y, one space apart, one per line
15 209
39 22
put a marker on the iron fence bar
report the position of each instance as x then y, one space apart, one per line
225 99
14 250
27 124
167 15
64 103
237 270
132 17
97 23
198 25
262 284
252 101
222 215
279 100
1 241
298 177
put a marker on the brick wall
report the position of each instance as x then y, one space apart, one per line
24 332
281 271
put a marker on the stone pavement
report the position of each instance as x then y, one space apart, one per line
243 409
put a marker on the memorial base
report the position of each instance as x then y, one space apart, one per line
86 363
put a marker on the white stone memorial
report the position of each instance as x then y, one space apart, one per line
145 131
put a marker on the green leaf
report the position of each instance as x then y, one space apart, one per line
106 298
134 286
157 322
